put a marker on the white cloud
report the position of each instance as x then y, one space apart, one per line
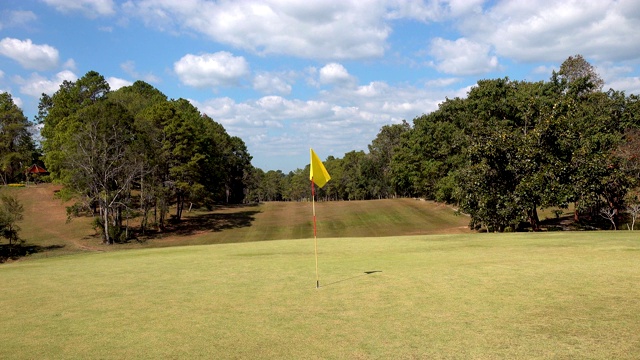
28 54
273 83
442 82
91 8
334 73
373 89
529 31
333 29
116 83
464 7
462 57
630 85
335 122
18 102
211 70
36 84
129 67
619 77
543 69
69 65
16 18
419 10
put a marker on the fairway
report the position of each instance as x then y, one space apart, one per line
45 224
462 296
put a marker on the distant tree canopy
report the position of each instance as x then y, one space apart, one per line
508 149
17 148
135 149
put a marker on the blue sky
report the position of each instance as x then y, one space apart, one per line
288 75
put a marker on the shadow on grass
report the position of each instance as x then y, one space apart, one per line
353 277
15 252
214 222
224 218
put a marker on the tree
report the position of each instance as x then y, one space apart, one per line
581 77
138 99
53 110
609 214
381 152
11 211
16 145
353 179
100 162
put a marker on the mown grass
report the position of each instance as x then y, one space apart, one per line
483 296
46 229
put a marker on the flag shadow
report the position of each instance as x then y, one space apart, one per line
351 278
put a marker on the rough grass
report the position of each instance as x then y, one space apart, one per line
45 227
482 296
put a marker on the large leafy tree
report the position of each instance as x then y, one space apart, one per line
16 145
57 108
381 152
104 145
99 161
139 99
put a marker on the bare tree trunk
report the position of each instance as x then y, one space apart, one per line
106 223
533 219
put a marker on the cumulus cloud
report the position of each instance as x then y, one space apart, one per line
28 54
462 57
18 102
419 10
211 70
116 83
273 83
129 67
91 8
69 65
630 85
36 84
336 29
530 31
341 120
464 7
442 82
334 73
16 18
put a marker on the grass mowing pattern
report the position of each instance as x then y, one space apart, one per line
293 220
553 295
45 224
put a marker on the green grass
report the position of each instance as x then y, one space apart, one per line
45 222
482 296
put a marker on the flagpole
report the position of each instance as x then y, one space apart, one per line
315 236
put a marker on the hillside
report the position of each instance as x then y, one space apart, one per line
46 229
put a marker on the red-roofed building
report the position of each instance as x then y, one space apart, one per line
36 169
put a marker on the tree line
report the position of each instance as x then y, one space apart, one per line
506 150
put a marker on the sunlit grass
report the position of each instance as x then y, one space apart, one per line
554 295
45 222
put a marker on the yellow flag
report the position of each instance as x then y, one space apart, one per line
319 174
